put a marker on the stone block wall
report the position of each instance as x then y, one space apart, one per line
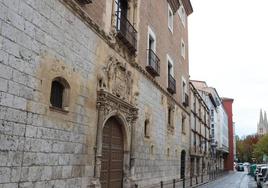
155 164
40 147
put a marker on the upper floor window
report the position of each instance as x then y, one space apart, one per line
182 49
183 128
185 98
126 31
59 95
181 13
170 19
171 82
153 62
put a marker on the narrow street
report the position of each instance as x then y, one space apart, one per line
233 180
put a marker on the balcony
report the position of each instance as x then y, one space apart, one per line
126 32
87 1
153 66
185 100
171 84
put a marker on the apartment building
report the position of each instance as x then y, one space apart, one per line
218 124
200 134
94 93
228 106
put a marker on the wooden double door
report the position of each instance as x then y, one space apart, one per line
112 155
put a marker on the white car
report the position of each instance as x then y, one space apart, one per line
264 183
246 163
262 176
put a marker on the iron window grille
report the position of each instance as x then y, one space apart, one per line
56 96
126 32
86 1
185 99
153 66
171 84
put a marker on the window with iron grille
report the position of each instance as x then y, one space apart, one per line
183 129
59 95
56 94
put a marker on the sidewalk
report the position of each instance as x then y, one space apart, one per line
188 183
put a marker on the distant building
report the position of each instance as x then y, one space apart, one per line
262 125
227 104
218 124
200 133
234 137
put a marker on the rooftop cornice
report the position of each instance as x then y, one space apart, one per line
174 5
187 6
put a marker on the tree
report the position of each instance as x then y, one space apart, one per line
261 148
244 147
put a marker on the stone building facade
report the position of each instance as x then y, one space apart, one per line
200 134
93 93
218 124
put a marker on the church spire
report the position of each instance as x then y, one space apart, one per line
261 118
265 118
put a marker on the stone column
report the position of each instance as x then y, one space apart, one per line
133 148
98 154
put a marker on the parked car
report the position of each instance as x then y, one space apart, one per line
264 183
237 164
257 170
246 164
262 175
240 167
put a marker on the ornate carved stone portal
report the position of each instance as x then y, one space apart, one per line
115 98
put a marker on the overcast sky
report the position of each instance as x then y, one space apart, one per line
228 49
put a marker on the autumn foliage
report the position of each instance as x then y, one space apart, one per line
245 147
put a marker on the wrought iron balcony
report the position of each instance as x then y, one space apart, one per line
171 84
87 1
185 100
126 32
153 66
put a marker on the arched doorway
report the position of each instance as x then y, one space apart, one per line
183 154
112 155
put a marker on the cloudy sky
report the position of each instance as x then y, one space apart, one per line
228 49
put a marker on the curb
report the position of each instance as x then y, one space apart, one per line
194 186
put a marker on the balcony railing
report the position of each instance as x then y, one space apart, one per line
86 1
185 100
153 66
171 84
126 32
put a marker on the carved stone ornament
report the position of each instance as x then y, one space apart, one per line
170 129
117 80
170 103
147 116
109 102
113 32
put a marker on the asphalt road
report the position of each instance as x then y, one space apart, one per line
233 180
